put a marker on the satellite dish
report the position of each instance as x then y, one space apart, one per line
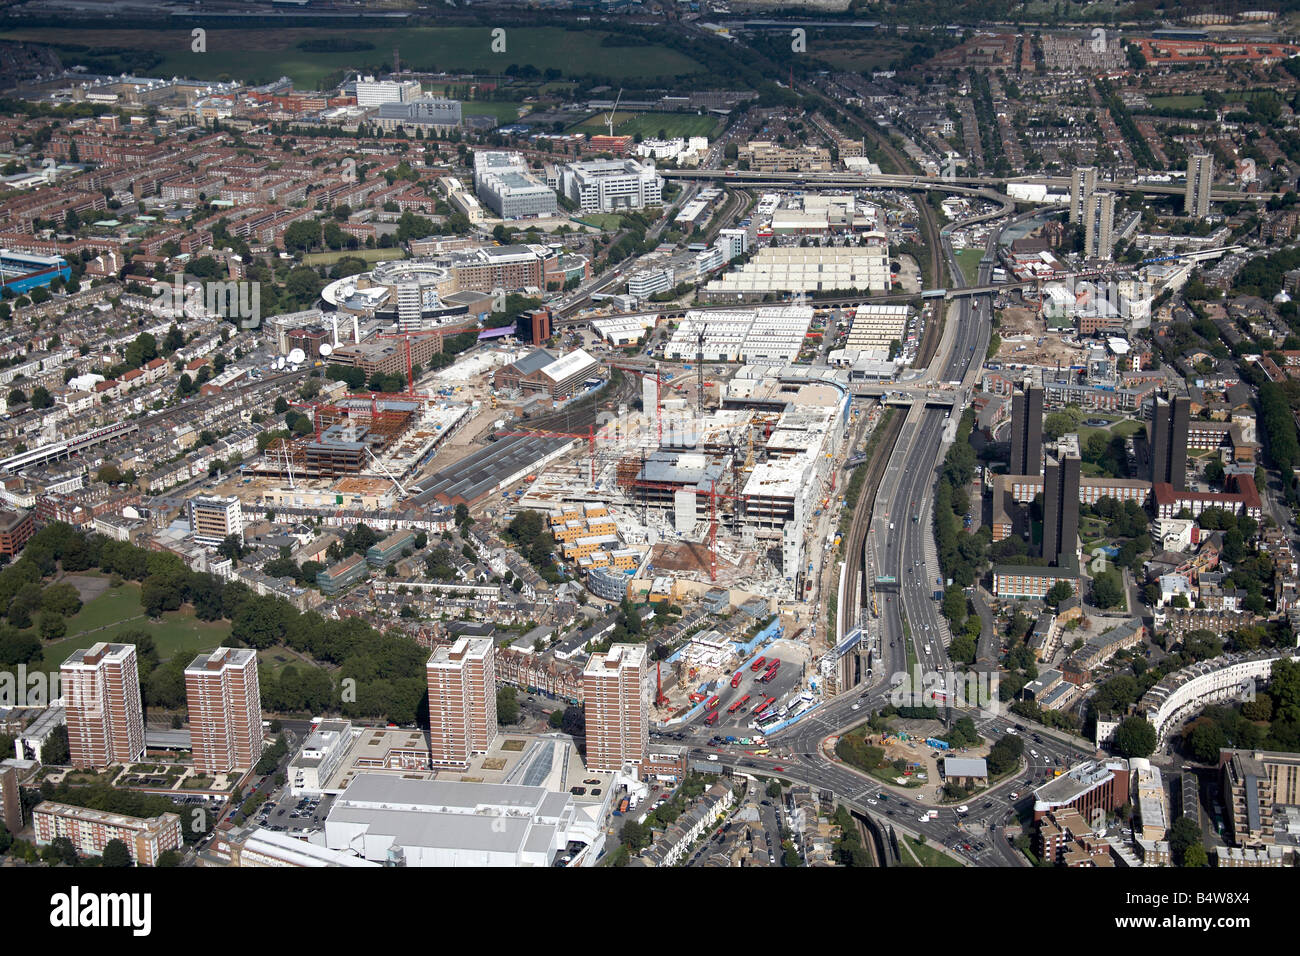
296 356
279 363
326 349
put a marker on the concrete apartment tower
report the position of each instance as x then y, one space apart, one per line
225 702
1083 183
11 805
1099 225
1200 179
1061 510
1169 420
618 707
461 678
1026 431
101 694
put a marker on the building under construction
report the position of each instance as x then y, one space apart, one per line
348 435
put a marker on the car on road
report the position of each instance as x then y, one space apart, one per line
870 802
713 756
1014 795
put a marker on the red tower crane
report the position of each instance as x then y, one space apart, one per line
406 337
713 496
659 385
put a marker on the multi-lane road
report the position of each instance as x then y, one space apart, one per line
901 545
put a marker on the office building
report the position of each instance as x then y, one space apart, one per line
504 182
225 704
1247 788
1099 225
1086 787
101 696
1026 431
650 281
146 838
1200 180
539 323
1083 183
11 805
733 242
432 114
372 92
16 529
1169 422
618 707
212 519
1061 510
607 185
462 700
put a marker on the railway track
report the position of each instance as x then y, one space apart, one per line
855 545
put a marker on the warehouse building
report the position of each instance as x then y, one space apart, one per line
562 377
763 335
429 113
400 822
796 270
875 326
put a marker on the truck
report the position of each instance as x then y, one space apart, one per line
621 808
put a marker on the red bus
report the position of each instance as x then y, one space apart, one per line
758 664
711 703
765 705
712 719
770 672
735 679
738 704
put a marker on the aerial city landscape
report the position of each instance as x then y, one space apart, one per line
597 433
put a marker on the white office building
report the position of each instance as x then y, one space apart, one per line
372 92
505 184
647 283
606 185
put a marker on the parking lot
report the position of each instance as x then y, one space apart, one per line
295 813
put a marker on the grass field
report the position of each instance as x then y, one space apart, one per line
1191 101
1125 427
260 55
927 855
608 221
117 610
370 255
969 260
502 111
649 124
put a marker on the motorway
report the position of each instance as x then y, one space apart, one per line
904 495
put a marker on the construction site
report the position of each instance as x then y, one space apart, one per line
721 495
